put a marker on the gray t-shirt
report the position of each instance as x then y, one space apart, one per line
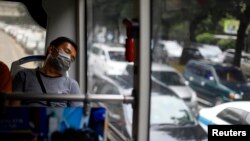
26 81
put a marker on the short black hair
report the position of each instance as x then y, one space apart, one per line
58 41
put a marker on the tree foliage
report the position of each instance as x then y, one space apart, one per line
215 10
180 19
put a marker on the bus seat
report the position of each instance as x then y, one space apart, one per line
37 59
27 123
17 65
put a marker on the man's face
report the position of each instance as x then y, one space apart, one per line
68 49
61 57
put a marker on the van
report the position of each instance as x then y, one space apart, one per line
107 59
166 50
216 83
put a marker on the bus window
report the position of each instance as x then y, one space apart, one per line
20 34
205 27
107 68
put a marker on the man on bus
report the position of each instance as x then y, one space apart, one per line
50 78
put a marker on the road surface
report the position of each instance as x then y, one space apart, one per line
9 49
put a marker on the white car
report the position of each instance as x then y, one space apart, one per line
165 50
169 124
107 59
173 48
230 113
168 76
197 51
211 52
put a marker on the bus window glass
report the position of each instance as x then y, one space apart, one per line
109 72
215 33
208 29
199 26
20 34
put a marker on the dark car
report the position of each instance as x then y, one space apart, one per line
200 52
190 53
217 83
175 123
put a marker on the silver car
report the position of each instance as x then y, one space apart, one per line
168 76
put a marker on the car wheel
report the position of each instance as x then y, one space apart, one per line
218 101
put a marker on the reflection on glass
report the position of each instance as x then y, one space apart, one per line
169 110
117 56
169 78
231 75
17 24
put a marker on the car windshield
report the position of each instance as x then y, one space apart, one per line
117 55
125 81
231 75
178 114
168 78
209 51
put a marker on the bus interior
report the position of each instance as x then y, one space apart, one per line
128 64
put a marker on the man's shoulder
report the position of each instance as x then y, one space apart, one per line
71 80
27 71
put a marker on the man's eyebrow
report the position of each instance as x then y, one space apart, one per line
67 49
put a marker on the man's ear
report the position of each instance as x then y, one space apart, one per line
49 50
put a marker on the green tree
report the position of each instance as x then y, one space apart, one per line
110 13
215 10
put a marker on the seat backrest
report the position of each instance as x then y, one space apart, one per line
17 65
36 59
26 123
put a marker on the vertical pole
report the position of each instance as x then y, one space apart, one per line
82 51
142 67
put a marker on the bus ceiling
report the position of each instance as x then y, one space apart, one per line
35 9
